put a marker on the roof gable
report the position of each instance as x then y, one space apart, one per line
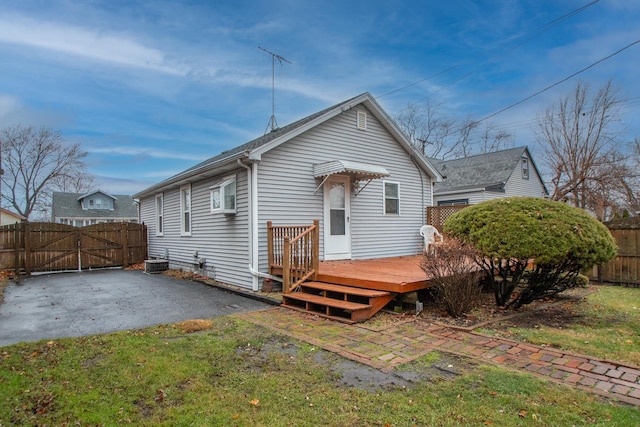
69 205
84 196
482 171
254 149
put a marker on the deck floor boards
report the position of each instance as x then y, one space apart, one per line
395 274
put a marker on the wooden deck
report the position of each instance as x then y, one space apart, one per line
396 274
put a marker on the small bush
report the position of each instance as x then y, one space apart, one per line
454 276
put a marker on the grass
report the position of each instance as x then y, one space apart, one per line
606 324
232 373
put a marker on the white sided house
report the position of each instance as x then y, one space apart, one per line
348 166
474 179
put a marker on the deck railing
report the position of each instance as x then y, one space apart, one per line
293 251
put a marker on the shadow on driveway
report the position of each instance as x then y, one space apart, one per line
95 302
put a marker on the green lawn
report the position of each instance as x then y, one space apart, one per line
238 374
606 325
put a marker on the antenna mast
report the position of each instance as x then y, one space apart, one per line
273 125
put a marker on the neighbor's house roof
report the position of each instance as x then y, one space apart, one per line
254 149
68 205
482 172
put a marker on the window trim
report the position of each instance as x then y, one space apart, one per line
384 198
453 202
525 167
221 188
159 214
185 210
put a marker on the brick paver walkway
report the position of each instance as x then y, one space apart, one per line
400 343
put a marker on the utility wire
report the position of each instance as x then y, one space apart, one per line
528 38
558 82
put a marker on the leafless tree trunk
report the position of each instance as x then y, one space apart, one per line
444 138
35 162
579 136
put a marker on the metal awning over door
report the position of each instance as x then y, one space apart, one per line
359 171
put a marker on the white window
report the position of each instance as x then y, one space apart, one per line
223 196
361 120
159 214
185 210
525 168
391 198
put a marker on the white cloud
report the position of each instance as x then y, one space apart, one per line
8 104
144 152
84 42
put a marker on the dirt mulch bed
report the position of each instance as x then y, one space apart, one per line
553 311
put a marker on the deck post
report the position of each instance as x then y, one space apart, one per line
316 249
286 265
270 260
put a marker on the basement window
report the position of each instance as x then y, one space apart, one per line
223 196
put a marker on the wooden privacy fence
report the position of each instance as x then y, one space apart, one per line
624 269
36 247
437 215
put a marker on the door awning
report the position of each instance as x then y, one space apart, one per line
360 171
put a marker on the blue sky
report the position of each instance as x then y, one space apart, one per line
150 88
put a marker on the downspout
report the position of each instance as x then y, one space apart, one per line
252 200
423 207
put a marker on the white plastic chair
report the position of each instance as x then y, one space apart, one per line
429 233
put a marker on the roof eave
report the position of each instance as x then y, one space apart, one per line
207 170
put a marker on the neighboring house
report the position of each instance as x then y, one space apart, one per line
7 217
92 208
474 179
349 166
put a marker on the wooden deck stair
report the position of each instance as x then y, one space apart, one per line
338 302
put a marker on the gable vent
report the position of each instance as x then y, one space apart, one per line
362 120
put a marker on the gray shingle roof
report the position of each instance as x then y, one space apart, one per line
67 205
489 171
258 142
238 152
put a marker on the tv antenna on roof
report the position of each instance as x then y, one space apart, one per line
273 125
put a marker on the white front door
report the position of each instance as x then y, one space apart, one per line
337 235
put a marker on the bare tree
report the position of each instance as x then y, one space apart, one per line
445 138
580 140
36 161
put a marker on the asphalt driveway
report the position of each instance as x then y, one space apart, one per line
94 302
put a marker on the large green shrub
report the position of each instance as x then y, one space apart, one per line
536 243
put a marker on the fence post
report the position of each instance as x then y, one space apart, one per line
16 247
124 234
27 248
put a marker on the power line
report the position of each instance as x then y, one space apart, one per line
529 37
559 82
